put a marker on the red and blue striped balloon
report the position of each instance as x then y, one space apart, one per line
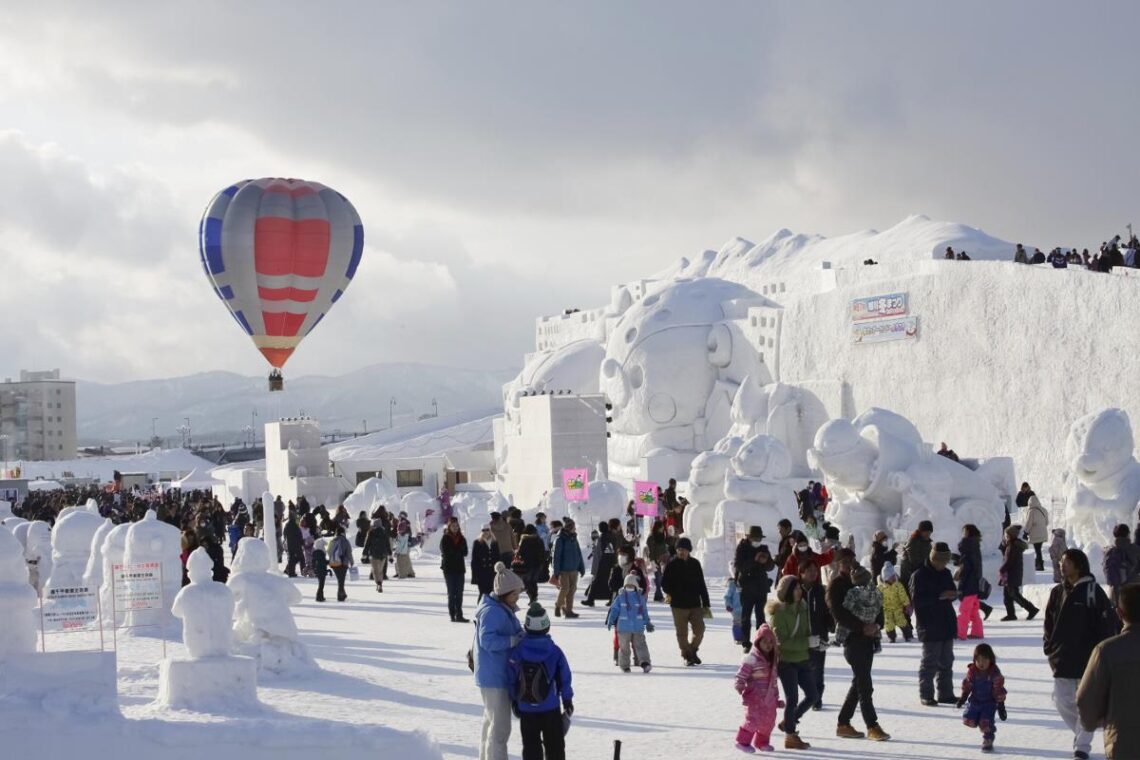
279 253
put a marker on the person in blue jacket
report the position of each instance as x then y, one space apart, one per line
567 567
630 614
497 632
539 680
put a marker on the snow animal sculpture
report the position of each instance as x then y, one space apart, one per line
884 477
37 553
1105 477
111 553
263 625
152 541
205 608
17 601
673 363
753 496
93 573
790 415
71 546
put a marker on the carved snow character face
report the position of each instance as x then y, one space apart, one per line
663 357
252 556
762 457
845 457
1099 445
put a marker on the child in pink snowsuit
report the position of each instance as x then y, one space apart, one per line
758 686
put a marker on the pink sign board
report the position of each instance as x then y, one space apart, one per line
645 498
575 484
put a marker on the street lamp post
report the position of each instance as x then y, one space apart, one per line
391 406
189 440
434 408
253 426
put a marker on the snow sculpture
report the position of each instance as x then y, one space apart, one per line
671 372
111 553
37 553
263 624
212 679
370 494
1105 477
17 601
753 496
93 573
706 485
71 546
11 523
20 531
151 540
423 511
882 476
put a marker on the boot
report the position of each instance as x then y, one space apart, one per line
876 734
744 741
793 741
891 636
570 614
847 731
1032 613
696 660
557 612
987 744
908 633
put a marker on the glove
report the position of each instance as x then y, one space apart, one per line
1001 711
649 627
568 707
708 613
728 609
961 701
515 710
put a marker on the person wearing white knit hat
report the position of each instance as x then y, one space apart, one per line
630 613
497 631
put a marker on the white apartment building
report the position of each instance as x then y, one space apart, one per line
37 417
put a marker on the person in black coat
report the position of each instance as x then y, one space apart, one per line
880 554
605 557
821 625
969 578
684 582
294 547
751 565
1013 574
932 591
529 561
484 555
453 562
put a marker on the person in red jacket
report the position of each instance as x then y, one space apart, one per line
803 554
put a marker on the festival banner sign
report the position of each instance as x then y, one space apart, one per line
72 608
877 307
645 498
879 331
137 586
575 484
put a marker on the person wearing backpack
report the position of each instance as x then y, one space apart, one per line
539 680
321 565
1078 616
630 613
1121 561
340 559
497 632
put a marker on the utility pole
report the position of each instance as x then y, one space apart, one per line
434 408
253 425
391 406
189 439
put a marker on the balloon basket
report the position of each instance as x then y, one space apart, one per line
276 381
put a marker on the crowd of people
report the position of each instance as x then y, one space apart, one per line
1111 254
790 607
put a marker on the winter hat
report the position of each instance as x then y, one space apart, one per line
888 572
685 543
1013 531
506 581
926 525
941 552
537 621
1059 532
861 576
755 533
786 587
631 580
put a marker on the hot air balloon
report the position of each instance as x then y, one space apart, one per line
279 253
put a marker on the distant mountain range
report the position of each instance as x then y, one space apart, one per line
220 405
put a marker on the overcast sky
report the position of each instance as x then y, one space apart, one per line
512 159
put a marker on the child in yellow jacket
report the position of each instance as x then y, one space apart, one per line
895 604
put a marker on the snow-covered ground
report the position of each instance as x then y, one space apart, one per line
394 660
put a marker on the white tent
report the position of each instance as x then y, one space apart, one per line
198 480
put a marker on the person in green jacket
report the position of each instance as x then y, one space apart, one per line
789 620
